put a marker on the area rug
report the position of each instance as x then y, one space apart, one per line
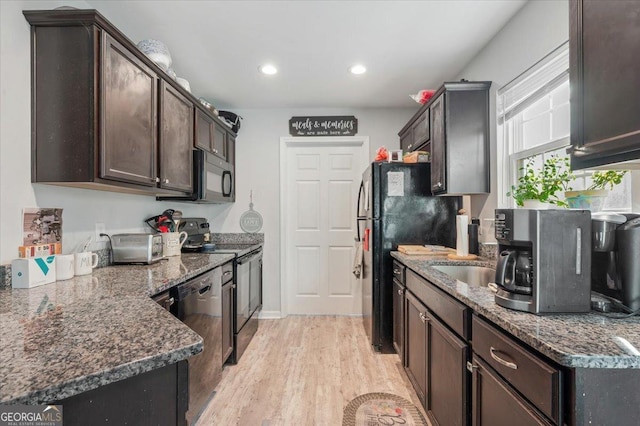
373 409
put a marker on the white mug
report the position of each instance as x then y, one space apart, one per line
65 266
172 242
85 262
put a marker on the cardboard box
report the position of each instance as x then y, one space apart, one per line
40 250
33 272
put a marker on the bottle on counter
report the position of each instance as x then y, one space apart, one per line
474 246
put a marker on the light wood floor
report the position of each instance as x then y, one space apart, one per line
303 371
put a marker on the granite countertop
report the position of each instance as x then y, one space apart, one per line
72 336
572 340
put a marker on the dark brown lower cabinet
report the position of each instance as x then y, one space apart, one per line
398 319
416 345
157 397
227 320
447 378
496 404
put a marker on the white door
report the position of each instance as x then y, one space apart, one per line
321 190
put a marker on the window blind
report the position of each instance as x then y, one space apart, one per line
533 84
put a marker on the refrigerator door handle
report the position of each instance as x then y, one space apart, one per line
358 217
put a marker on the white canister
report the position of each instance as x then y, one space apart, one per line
85 262
65 269
172 243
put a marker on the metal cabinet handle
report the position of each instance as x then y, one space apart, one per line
157 179
227 273
166 181
400 292
439 184
396 271
511 365
471 366
423 317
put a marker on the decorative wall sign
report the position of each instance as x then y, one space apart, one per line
251 220
345 125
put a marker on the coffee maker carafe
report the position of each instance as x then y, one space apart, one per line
544 260
615 268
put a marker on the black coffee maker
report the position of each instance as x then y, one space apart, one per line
544 260
615 270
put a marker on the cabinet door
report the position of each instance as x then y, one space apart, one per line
448 382
231 149
438 147
495 404
605 82
398 319
406 141
204 131
421 130
176 140
128 114
416 345
227 320
220 141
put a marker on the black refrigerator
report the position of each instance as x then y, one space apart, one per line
395 206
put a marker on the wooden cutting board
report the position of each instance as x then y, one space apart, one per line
414 250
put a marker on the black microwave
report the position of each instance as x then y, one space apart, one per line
213 180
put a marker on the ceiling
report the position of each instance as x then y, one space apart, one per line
406 46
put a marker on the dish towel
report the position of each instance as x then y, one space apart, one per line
357 261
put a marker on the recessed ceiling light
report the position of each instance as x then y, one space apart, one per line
358 69
268 69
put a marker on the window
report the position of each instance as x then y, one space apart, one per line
534 123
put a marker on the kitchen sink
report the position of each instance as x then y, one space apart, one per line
473 275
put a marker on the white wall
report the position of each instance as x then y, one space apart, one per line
257 163
538 28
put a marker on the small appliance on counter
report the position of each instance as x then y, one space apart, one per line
198 234
615 270
136 248
544 260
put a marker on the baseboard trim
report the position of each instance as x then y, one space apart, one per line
270 315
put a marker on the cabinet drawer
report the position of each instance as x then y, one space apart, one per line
451 312
227 272
534 378
399 271
420 129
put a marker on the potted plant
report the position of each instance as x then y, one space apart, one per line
538 188
593 197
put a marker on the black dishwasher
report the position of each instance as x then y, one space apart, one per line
199 304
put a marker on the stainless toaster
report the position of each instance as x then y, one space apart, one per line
136 248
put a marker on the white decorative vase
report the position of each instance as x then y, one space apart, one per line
157 52
535 204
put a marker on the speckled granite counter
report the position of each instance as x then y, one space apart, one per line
572 340
72 336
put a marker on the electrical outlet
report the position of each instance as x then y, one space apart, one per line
100 229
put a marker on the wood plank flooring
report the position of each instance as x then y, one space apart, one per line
303 371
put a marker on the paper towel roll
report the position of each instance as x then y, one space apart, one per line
462 235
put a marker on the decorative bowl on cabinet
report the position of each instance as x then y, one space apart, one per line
184 83
157 52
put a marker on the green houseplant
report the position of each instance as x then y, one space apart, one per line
543 185
593 197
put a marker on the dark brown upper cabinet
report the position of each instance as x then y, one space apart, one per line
104 116
214 137
605 82
460 139
128 148
415 134
220 142
454 127
176 140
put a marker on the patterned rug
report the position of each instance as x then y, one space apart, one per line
372 409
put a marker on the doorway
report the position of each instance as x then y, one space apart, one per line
319 182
